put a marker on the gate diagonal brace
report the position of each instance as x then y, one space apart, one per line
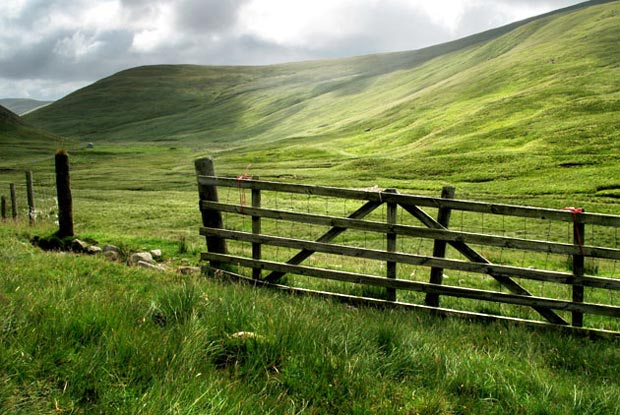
328 236
474 256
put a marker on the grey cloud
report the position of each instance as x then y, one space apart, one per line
207 16
37 14
45 59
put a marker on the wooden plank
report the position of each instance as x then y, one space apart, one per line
439 246
13 201
390 266
331 234
63 194
256 229
460 292
30 198
474 256
416 231
454 204
211 218
412 259
579 233
3 205
445 312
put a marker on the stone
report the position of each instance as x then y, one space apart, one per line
246 335
111 248
79 246
188 270
153 267
141 256
111 255
94 250
156 254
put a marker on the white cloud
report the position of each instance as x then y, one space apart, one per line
77 46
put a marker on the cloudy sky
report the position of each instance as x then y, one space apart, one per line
49 48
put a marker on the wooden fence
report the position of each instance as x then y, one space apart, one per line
511 282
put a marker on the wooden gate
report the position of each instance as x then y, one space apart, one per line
559 294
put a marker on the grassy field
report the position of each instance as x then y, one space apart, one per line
82 335
526 115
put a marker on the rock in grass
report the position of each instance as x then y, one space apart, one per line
187 270
153 267
246 335
111 255
156 254
79 246
93 250
111 248
141 257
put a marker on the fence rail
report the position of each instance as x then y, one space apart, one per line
465 254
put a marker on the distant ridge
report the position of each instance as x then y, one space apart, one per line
22 106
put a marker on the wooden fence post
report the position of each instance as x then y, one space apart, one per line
578 268
3 207
63 191
210 218
256 230
30 192
439 247
392 216
13 201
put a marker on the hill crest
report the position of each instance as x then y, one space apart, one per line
8 117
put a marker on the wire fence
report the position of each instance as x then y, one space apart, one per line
43 206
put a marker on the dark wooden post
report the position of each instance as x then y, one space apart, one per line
3 207
30 192
439 247
13 201
63 192
579 229
256 230
392 216
210 218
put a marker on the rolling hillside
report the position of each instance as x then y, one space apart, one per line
499 109
19 141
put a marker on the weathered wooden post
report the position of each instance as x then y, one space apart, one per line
63 192
210 218
439 247
391 244
256 230
3 207
13 201
30 192
578 266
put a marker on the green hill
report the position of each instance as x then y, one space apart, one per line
8 117
500 110
20 142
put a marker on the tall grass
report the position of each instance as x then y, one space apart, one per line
81 335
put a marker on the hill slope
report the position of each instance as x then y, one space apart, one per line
504 107
8 118
20 142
